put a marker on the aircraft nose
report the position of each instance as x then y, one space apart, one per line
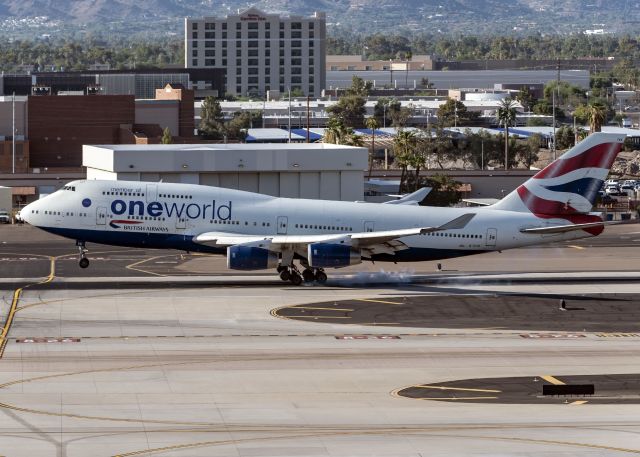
26 213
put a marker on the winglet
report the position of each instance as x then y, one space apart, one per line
457 223
413 198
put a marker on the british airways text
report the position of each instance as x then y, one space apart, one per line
180 210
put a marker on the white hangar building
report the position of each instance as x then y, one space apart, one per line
315 170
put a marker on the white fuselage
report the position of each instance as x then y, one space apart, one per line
166 215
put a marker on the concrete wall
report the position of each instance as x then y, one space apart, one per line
163 113
326 172
6 199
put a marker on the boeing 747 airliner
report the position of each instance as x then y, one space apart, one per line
261 232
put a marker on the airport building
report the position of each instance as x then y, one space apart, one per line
316 171
260 52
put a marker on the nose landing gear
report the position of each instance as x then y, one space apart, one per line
83 261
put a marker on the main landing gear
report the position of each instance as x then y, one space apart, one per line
82 261
308 275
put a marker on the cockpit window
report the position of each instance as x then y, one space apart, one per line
71 188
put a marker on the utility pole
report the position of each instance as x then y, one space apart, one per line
13 133
289 115
308 123
553 149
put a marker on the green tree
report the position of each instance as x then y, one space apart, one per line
454 112
359 87
597 115
445 191
166 136
565 137
506 115
526 98
350 110
372 124
211 118
337 133
404 146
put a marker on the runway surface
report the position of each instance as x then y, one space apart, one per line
192 360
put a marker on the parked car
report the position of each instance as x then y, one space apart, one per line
607 200
613 190
5 218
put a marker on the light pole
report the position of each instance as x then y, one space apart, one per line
13 134
289 115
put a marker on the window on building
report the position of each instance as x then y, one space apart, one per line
296 34
267 26
238 35
311 80
310 51
194 26
224 26
267 62
310 43
296 61
296 44
210 26
267 53
281 52
252 26
253 44
194 44
194 62
253 35
239 89
210 62
238 52
312 35
253 62
194 53
267 44
238 25
224 53
253 80
194 35
267 35
311 25
224 62
210 53
209 44
296 71
311 61
210 35
282 43
282 26
238 79
224 35
296 26
253 53
296 52
238 44
282 35
239 64
281 62
224 44
252 70
296 80
267 80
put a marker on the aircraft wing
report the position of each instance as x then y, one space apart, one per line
410 199
364 240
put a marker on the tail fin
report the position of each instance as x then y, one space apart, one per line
570 184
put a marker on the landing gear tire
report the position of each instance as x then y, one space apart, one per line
82 250
296 279
281 268
321 277
308 275
285 275
84 262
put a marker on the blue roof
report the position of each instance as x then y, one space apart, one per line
303 133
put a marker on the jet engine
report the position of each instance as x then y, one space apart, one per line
332 255
251 257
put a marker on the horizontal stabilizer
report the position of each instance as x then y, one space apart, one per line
566 228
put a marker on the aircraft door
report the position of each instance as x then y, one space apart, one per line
282 225
369 226
492 236
101 216
152 193
181 221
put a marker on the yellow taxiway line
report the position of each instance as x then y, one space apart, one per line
464 389
552 380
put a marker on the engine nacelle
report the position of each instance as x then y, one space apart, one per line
332 255
247 257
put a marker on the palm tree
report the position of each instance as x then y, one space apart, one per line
337 133
506 115
404 145
596 114
372 124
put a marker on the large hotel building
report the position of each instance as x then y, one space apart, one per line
260 52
